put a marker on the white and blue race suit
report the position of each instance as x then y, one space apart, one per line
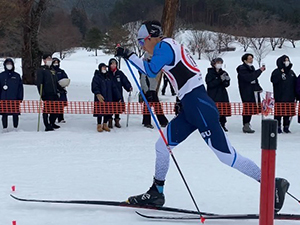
198 111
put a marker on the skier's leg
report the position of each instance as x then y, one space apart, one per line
203 113
177 130
217 140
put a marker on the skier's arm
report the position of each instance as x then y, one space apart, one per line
163 55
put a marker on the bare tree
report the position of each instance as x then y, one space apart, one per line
168 23
245 42
257 43
274 42
61 36
282 40
32 11
197 42
133 43
224 41
116 35
212 47
260 52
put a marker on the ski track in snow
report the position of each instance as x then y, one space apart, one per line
76 162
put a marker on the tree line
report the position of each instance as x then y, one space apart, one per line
30 27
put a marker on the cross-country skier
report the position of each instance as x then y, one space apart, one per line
197 112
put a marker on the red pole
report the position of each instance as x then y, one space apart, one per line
267 188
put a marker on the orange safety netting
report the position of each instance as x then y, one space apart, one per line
86 107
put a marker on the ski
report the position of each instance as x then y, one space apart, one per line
112 203
221 217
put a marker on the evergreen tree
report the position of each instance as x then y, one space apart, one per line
93 40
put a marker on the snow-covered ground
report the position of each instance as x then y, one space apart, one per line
76 162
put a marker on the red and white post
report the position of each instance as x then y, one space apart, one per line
267 183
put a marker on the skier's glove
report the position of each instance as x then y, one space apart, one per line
177 107
123 52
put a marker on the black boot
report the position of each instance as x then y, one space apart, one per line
49 128
151 197
55 126
224 127
281 187
286 130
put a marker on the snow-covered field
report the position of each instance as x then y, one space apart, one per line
76 162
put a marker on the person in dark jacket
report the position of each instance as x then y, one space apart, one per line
11 88
105 91
63 81
217 81
121 82
166 82
49 89
284 82
148 86
249 89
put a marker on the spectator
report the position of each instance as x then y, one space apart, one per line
11 88
121 82
47 83
284 82
217 81
166 82
105 91
148 86
63 82
249 89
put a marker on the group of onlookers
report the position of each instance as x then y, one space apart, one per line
108 83
286 89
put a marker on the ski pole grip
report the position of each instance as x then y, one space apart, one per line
269 134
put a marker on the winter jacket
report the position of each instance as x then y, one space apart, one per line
60 74
11 88
120 79
248 82
48 78
298 88
216 88
284 82
103 84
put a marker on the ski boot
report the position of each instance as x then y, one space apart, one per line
154 196
281 187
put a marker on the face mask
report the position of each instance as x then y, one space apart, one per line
103 71
286 63
48 63
56 65
9 67
219 66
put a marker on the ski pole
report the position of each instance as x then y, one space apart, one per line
128 104
293 197
40 102
165 140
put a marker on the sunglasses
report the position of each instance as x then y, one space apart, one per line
142 40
